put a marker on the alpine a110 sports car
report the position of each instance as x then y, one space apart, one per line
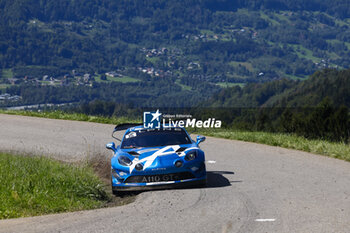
156 158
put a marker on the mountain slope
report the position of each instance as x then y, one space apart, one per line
286 93
211 40
327 83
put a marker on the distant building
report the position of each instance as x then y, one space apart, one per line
8 97
14 81
86 77
113 74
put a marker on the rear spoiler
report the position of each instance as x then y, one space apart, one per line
122 127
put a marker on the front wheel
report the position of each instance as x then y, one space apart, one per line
115 192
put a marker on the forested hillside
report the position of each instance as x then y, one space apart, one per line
221 42
141 94
251 59
285 93
313 108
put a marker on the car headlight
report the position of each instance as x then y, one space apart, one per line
139 167
123 160
115 174
191 156
178 163
118 174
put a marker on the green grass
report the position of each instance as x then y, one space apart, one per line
282 17
331 149
267 18
4 86
300 51
38 185
208 32
227 84
7 73
322 147
153 60
303 52
124 79
340 22
45 82
333 41
183 86
302 77
247 65
98 79
347 45
71 116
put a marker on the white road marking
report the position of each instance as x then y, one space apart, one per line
265 220
211 161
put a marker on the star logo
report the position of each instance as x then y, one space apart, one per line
156 115
152 119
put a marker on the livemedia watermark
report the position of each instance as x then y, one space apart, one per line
156 120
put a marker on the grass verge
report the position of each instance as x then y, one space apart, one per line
331 149
71 116
38 185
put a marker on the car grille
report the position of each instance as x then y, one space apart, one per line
160 177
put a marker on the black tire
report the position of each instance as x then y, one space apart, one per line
115 193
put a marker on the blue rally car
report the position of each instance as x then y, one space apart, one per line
156 159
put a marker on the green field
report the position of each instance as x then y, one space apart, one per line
37 185
303 52
153 60
226 84
295 77
208 32
247 65
7 73
282 16
347 45
124 79
4 86
273 22
183 86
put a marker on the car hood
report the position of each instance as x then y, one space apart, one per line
159 155
142 153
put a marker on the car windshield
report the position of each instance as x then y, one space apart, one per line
154 138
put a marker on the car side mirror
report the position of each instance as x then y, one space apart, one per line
111 146
200 139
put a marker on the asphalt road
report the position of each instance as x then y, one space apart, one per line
251 187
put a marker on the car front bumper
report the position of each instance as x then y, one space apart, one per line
196 182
